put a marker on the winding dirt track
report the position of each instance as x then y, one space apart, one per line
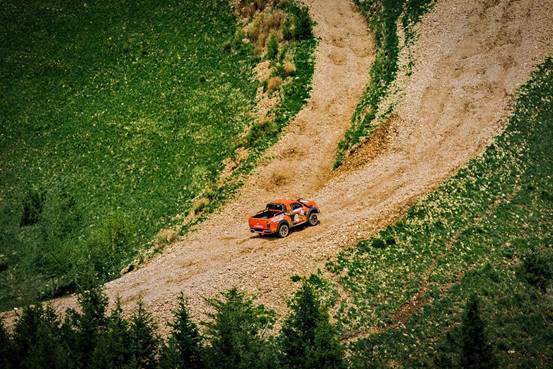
471 56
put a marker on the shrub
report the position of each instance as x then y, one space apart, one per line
447 352
274 84
108 245
199 205
289 68
33 203
537 269
165 236
261 129
378 243
298 25
272 47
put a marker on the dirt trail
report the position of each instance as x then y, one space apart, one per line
471 56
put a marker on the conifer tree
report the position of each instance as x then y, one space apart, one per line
144 341
235 332
6 347
68 335
308 340
37 340
112 349
447 352
476 352
184 349
89 324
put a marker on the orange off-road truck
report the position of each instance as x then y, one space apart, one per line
281 215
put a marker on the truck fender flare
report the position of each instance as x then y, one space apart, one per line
312 210
284 221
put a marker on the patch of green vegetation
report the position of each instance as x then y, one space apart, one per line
383 17
485 232
115 117
294 96
235 335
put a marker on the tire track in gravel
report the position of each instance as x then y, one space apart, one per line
471 57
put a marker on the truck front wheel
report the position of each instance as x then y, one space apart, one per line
313 219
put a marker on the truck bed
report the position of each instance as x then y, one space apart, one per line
266 214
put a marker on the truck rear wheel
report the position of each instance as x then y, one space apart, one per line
283 230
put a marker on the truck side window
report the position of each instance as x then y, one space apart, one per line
296 206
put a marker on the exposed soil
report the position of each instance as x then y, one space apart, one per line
471 56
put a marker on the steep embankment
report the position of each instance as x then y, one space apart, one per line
471 57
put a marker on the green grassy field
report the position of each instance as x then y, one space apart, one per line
486 232
115 116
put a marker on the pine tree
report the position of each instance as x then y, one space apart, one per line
476 352
68 335
447 352
6 347
112 349
235 332
170 356
37 341
144 342
184 349
308 340
90 324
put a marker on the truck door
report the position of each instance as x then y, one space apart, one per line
298 213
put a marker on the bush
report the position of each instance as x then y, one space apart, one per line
289 69
537 269
298 25
261 130
33 203
272 47
378 243
60 220
274 84
107 246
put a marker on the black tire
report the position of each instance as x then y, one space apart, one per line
283 230
313 219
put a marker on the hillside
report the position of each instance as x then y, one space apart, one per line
117 126
392 172
434 184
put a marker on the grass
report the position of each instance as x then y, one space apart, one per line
383 17
116 118
484 232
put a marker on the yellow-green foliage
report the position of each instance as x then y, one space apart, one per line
128 108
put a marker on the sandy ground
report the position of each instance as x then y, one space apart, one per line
471 56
